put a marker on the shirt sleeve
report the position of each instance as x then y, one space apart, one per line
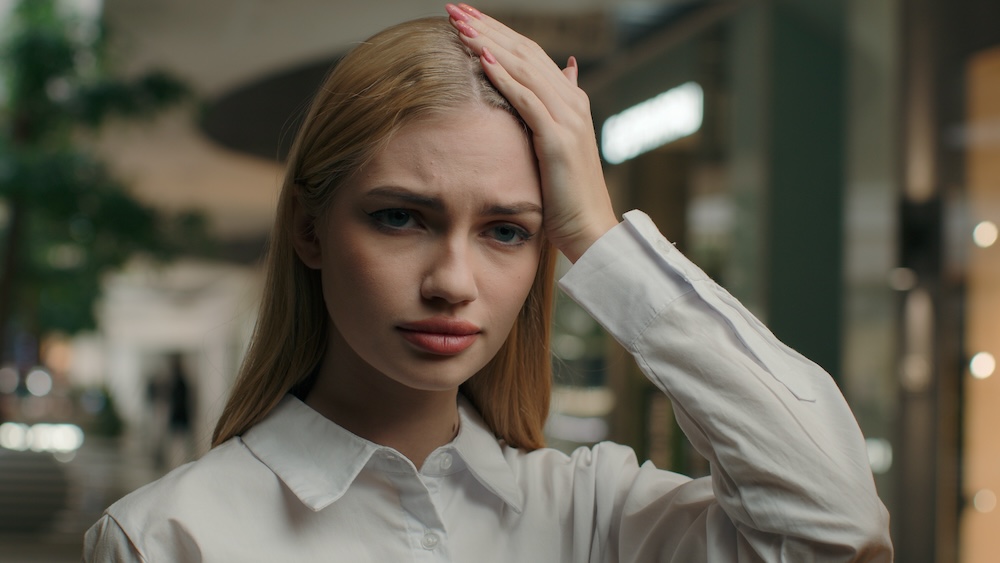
106 542
790 479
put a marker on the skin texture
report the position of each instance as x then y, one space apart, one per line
577 206
373 381
444 224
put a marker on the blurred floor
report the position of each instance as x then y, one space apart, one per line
101 472
25 550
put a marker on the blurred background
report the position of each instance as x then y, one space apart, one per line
835 164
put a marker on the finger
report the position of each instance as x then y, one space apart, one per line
496 26
534 70
572 71
473 23
530 107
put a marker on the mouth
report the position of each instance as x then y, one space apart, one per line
440 336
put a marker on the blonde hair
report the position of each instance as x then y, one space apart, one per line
413 70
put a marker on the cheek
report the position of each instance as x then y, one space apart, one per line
364 279
511 285
356 279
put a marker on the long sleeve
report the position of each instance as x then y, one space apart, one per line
790 478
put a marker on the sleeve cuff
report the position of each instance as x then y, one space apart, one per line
645 269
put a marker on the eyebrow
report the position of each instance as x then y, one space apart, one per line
513 209
403 194
436 204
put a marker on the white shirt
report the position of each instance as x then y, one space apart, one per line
790 478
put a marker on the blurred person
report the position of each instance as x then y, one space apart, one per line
169 397
179 422
391 404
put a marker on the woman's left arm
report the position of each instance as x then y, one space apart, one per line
789 480
789 466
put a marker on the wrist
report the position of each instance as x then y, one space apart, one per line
574 248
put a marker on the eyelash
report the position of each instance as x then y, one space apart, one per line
524 235
379 218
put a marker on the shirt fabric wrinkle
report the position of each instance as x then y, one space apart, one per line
789 464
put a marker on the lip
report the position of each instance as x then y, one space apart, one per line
439 335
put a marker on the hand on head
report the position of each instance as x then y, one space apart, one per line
577 206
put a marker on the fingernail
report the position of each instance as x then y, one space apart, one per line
466 29
489 56
474 12
456 13
571 62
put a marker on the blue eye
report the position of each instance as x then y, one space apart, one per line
509 234
393 218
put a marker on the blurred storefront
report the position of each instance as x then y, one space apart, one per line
784 189
842 182
959 141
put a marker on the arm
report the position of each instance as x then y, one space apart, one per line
790 480
790 476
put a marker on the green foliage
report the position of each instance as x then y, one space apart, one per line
65 219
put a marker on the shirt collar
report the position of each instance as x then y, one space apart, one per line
288 441
483 455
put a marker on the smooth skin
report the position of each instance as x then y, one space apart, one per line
577 206
441 230
425 231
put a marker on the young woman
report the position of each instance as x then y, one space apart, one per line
391 405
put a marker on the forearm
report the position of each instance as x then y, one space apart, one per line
787 457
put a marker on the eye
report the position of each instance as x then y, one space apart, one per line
509 234
393 218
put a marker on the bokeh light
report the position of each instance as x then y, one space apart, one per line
58 438
38 382
985 500
982 365
879 455
985 234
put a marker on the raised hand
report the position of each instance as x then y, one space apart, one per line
577 206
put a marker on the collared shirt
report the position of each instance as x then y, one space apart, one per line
790 479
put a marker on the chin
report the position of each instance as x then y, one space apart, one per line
436 377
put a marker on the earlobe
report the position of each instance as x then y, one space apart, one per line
303 231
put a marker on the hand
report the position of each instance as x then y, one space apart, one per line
575 197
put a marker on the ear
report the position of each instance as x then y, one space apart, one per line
304 237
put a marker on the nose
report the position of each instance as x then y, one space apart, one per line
450 275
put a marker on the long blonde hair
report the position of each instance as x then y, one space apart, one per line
410 71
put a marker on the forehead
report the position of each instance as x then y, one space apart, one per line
472 149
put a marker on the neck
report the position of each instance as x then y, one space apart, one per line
370 405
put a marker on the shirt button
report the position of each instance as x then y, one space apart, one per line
445 462
429 541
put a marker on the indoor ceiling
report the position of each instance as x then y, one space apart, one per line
252 65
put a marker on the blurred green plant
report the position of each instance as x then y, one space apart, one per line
64 219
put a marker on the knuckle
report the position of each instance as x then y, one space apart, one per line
522 99
526 49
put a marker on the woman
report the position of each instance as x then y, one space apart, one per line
391 404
